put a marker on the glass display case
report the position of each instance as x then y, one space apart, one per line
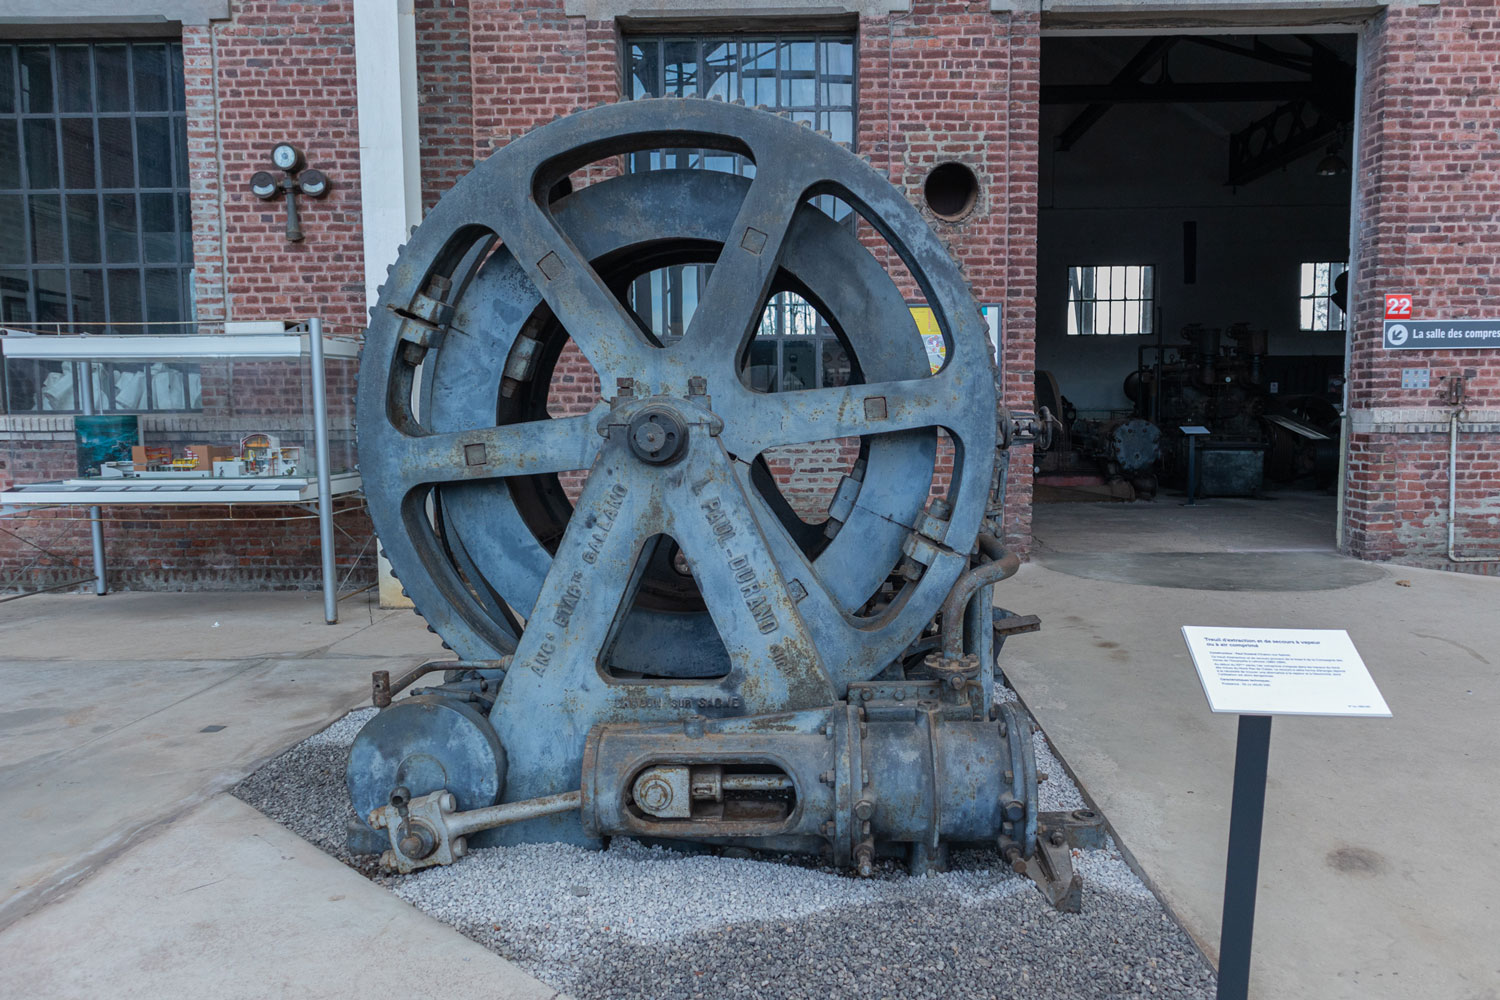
173 419
261 413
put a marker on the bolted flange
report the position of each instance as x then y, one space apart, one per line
657 435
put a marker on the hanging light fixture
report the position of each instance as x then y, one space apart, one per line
1332 164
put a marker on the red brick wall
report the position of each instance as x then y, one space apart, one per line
532 63
445 95
1428 186
951 81
286 72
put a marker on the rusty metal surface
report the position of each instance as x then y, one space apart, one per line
675 655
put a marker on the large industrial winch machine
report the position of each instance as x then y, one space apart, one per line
652 639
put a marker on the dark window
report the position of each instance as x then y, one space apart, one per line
94 228
811 77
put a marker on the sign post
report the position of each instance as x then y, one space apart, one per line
1256 673
1193 433
1247 810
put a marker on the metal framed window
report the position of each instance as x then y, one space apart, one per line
95 232
812 77
1111 299
1318 310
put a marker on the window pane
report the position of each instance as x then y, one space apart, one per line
36 79
760 72
184 228
78 153
153 137
163 297
125 298
644 65
152 85
21 377
88 299
763 365
1110 299
114 77
179 153
10 155
838 73
116 153
721 67
121 243
799 74
75 78
83 228
836 366
40 136
15 297
13 246
51 296
7 80
46 229
681 61
174 63
797 366
840 125
159 228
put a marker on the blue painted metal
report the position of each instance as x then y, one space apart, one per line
766 654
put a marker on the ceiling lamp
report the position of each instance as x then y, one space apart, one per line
1332 164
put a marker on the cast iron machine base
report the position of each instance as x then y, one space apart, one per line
671 652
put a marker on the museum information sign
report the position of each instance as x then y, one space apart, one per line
1430 334
1283 671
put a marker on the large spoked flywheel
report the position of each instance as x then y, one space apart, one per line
681 577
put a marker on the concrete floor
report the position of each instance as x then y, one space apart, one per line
127 870
1379 875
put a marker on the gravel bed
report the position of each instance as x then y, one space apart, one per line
636 922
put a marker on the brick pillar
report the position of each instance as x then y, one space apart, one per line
1429 180
953 81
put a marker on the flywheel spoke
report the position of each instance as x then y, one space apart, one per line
496 452
752 603
593 577
788 418
732 303
595 320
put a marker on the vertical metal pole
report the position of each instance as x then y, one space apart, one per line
979 637
1242 872
1192 467
96 522
325 478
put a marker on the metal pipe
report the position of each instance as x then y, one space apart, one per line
1453 494
325 477
464 823
96 516
1002 566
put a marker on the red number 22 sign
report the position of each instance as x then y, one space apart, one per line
1398 307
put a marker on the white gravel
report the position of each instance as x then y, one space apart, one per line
645 923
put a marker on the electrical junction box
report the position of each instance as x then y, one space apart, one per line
1416 378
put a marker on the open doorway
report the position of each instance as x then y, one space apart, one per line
1193 239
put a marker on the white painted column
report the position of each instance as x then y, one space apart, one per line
390 176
